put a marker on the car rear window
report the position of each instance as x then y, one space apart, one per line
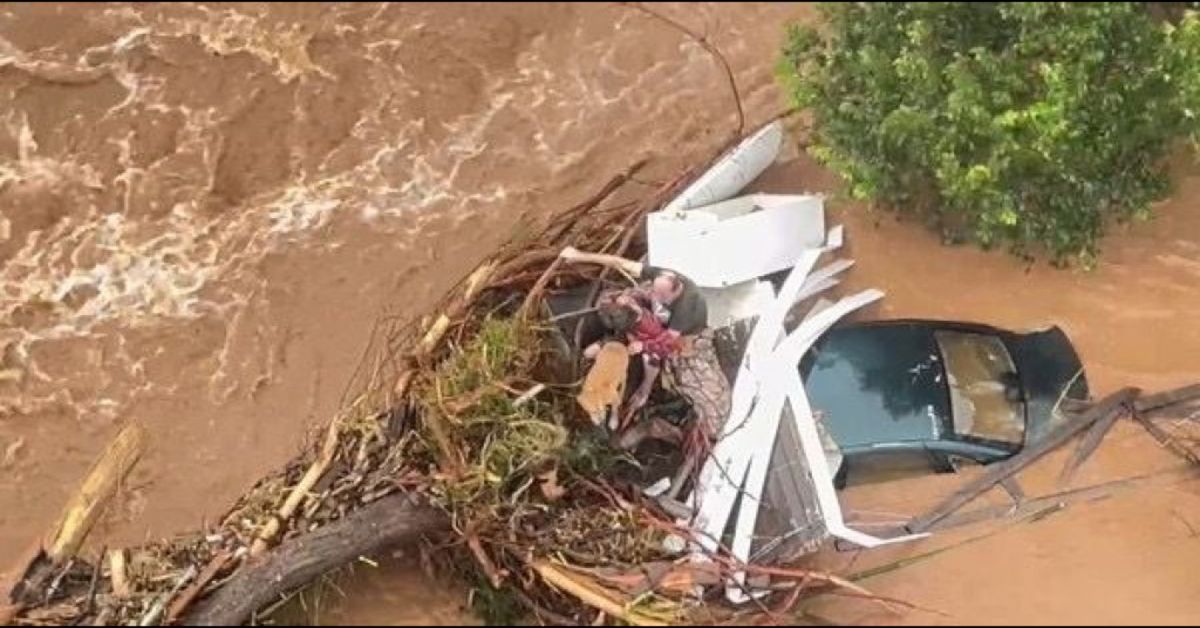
978 369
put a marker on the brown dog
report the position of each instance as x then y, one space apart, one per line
604 388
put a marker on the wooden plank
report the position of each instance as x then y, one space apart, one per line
1068 497
998 472
1087 446
1167 398
1013 488
1038 503
1074 406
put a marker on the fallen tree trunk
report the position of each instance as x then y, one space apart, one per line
393 520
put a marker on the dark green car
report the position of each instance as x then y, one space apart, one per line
916 394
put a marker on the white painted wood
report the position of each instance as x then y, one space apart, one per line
737 302
835 238
764 425
733 171
821 305
736 240
817 287
828 271
723 473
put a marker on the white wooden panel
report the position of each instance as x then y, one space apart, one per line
737 240
733 171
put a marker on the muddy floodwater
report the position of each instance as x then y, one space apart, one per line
204 208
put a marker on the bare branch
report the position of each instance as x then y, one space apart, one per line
708 46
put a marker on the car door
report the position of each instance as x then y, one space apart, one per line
885 463
948 455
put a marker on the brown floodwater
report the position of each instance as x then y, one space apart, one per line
204 208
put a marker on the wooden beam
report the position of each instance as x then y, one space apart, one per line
1087 446
995 474
1013 488
1089 493
1167 398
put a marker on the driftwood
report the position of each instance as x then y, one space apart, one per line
14 584
22 585
119 574
180 605
98 488
338 501
1014 489
1114 403
391 521
299 492
1144 407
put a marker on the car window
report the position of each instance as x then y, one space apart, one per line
981 376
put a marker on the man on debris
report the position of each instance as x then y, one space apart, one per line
690 366
677 300
630 316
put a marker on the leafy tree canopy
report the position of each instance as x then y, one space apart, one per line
1025 124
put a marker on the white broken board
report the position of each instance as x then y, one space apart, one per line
768 378
740 301
733 171
737 240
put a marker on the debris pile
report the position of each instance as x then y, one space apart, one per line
464 432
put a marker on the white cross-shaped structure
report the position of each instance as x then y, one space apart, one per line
768 378
720 242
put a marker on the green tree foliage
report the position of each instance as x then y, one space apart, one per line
1026 124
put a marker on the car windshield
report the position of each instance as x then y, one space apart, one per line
978 371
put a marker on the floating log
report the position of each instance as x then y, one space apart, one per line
1114 403
98 488
393 520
